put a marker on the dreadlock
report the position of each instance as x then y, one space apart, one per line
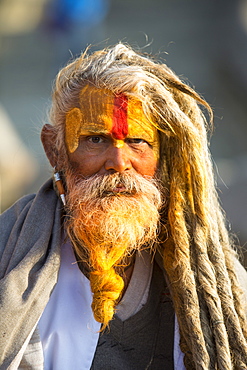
197 253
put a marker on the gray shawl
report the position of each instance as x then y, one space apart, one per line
30 239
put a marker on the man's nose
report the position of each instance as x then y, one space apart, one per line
118 160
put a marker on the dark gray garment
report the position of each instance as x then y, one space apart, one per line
30 239
145 340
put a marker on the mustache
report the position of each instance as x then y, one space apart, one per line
116 184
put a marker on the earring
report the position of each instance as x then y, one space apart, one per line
59 185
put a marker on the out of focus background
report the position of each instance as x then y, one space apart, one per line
204 42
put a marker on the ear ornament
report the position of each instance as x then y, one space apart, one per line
59 185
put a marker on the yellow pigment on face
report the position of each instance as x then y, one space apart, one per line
102 112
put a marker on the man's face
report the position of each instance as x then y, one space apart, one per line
110 134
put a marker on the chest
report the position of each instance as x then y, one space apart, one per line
143 341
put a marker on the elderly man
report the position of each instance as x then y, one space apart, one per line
124 260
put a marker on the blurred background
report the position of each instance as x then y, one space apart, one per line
204 42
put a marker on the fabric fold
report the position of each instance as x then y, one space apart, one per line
30 233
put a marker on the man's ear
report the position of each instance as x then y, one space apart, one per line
48 138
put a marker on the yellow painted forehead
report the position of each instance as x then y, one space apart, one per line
102 111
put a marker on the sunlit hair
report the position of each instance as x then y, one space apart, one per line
197 255
106 228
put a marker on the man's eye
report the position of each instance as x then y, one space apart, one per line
95 139
136 141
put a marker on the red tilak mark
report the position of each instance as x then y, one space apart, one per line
120 125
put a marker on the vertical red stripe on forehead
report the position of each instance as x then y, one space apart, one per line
120 125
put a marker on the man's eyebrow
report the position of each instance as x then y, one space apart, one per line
94 132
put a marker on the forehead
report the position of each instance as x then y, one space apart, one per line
119 115
102 111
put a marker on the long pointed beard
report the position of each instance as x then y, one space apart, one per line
106 226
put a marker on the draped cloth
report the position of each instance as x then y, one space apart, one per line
30 239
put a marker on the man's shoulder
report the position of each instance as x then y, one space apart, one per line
11 217
35 204
21 203
24 203
12 213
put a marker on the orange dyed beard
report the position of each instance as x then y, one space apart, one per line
106 227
